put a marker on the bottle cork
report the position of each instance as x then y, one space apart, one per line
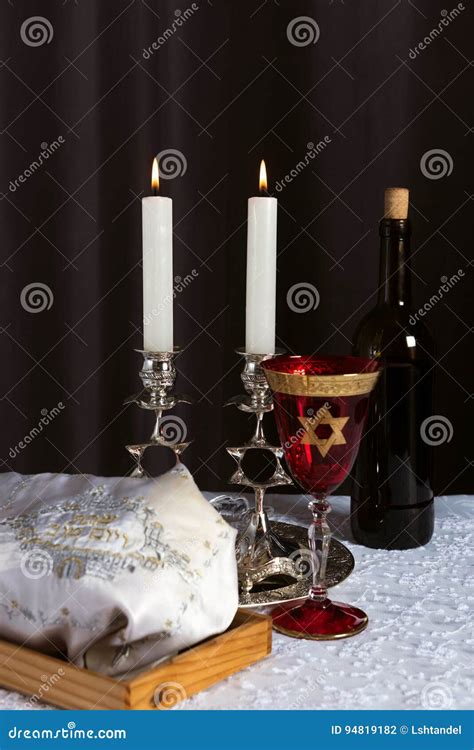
396 203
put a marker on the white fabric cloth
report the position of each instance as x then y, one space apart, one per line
113 573
416 652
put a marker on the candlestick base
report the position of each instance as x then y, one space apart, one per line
261 552
281 590
158 375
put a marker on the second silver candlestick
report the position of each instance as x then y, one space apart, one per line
261 552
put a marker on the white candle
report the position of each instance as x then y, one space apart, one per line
261 272
157 217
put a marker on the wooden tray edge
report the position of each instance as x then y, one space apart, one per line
79 688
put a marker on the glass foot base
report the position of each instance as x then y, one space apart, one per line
320 621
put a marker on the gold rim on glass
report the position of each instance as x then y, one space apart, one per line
297 384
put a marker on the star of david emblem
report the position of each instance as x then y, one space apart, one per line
323 445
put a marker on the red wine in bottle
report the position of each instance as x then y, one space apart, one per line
392 500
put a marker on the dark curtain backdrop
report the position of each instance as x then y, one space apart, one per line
225 88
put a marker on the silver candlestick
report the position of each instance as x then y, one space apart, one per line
261 553
158 375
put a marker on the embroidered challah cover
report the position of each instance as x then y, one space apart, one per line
113 574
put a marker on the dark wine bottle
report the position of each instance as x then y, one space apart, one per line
392 500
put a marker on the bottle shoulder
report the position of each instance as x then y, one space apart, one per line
393 331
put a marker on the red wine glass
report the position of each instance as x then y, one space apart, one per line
320 407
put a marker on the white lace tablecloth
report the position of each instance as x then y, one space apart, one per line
416 653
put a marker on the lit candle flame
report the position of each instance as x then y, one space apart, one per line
263 184
155 178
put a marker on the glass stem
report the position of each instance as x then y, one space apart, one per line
319 536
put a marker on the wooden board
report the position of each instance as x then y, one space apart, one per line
47 679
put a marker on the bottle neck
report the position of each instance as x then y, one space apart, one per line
395 274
